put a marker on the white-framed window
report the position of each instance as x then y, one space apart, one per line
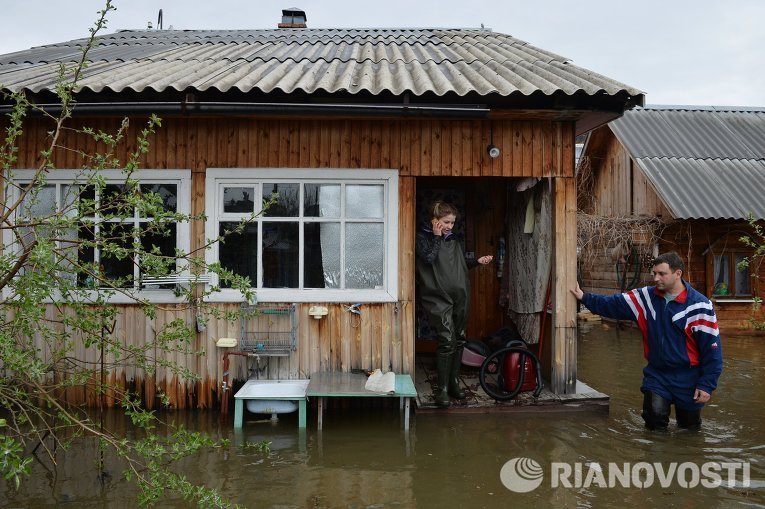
65 190
331 235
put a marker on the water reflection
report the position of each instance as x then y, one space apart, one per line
364 459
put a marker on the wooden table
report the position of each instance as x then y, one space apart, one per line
351 385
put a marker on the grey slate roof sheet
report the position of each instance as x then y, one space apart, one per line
704 162
441 61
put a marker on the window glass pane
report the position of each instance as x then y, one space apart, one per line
287 200
114 201
321 200
321 262
238 252
742 278
158 257
69 254
87 200
364 255
168 195
86 255
721 277
70 195
280 255
27 237
364 201
239 199
117 255
40 203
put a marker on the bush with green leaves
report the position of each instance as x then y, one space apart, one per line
55 298
755 241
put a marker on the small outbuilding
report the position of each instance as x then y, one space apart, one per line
685 179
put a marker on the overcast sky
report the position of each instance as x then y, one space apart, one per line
700 52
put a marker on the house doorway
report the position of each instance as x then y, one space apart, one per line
482 203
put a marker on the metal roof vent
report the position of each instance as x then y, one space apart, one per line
294 17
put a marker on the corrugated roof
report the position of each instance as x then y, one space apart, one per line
439 61
704 162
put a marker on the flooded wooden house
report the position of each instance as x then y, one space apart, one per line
698 172
356 130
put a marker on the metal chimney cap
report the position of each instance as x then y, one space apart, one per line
294 12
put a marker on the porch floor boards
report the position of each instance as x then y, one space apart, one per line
586 398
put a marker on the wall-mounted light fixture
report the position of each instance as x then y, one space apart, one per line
492 149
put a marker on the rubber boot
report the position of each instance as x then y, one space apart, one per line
443 366
455 391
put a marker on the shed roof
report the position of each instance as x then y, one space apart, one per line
703 161
454 62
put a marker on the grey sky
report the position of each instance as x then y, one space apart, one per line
700 52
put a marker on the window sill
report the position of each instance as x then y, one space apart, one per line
285 295
128 297
733 300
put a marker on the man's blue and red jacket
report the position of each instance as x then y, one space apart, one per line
681 340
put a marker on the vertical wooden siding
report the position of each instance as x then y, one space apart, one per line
414 147
621 188
383 336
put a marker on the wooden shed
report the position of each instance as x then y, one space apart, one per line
697 173
363 127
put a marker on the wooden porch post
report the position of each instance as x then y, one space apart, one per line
563 379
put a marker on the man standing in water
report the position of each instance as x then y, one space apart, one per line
681 342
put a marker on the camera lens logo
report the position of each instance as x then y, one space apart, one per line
521 475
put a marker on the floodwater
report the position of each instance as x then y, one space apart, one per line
365 460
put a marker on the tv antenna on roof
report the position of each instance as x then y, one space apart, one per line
159 20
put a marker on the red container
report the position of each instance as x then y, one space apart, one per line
513 373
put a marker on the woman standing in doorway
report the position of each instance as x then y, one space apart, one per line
444 289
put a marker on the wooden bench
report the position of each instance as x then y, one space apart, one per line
351 385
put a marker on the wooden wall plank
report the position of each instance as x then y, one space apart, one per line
293 143
375 145
407 226
386 337
406 310
425 142
567 149
564 277
334 320
376 336
495 166
396 353
364 145
527 144
366 337
345 147
537 149
517 137
465 149
344 338
480 140
435 151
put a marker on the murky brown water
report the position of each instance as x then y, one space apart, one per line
364 460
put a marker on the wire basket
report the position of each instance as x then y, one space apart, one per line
268 329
